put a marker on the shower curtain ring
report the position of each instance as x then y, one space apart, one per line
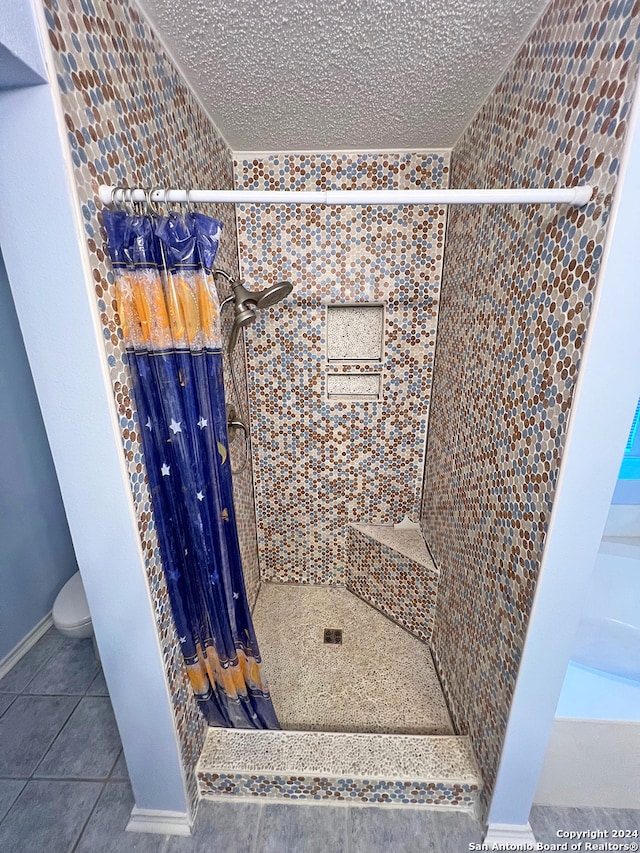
170 205
127 197
112 200
153 207
139 206
189 208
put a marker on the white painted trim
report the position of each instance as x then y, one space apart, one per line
19 651
343 152
518 834
159 822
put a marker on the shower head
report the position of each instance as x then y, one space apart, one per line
245 315
246 303
273 294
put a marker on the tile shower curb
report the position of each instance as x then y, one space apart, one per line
434 771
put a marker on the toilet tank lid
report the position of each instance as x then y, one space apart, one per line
70 607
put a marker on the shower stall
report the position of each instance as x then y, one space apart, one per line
339 352
328 650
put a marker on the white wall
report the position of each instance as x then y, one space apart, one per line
41 235
605 398
21 58
37 556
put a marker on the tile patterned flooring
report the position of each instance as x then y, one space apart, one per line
61 761
64 786
381 679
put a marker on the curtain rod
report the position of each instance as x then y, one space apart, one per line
574 196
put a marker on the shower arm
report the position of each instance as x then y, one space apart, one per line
216 272
232 281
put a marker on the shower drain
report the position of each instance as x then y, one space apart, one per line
333 636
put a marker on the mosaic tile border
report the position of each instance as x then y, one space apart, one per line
351 792
518 287
357 769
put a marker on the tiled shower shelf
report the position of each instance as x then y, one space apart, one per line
358 769
409 543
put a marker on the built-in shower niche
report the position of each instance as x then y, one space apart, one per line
355 333
355 348
354 386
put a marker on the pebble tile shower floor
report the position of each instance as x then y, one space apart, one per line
379 679
64 785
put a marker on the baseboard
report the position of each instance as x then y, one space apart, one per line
519 835
19 651
159 822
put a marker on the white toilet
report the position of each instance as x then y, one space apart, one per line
70 610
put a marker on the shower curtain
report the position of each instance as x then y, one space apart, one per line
170 318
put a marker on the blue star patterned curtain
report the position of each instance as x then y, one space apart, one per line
170 318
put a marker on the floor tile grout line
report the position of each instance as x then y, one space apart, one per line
10 703
347 831
59 696
102 780
113 766
16 798
46 752
61 645
89 816
256 831
96 695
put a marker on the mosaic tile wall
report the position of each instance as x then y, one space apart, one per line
518 288
321 463
131 119
403 586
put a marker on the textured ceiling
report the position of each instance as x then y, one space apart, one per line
348 74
